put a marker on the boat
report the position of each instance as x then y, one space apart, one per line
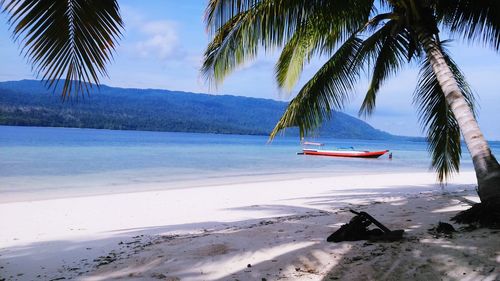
344 153
340 152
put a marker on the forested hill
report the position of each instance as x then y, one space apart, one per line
29 103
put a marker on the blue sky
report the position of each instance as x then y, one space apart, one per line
163 46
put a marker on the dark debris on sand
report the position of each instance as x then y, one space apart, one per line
357 229
443 229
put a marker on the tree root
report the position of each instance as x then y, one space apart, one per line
485 214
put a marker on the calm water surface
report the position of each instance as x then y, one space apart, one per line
40 163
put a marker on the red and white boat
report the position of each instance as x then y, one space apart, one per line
351 152
344 153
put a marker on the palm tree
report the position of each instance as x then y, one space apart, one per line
66 39
360 35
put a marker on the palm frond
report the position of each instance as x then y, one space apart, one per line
219 12
390 54
473 20
226 51
293 57
242 27
443 132
331 86
66 39
320 35
328 90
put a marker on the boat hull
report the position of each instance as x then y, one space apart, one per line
340 153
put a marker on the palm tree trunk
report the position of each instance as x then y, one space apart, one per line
486 166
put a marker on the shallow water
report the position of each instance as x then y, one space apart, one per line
38 163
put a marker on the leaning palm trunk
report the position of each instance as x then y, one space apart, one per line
486 166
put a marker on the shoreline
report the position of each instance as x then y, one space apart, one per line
63 192
213 233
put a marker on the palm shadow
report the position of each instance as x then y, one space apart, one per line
291 244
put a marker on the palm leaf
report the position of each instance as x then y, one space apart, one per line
219 12
389 54
294 55
329 89
332 85
443 132
66 39
473 20
320 35
242 27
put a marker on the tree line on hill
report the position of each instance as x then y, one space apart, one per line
29 103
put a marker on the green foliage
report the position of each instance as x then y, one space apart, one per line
68 39
443 132
315 101
472 20
389 54
242 27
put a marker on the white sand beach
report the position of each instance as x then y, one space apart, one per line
265 230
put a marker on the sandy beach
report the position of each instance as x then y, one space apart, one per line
265 230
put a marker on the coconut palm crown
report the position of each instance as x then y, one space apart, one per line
359 36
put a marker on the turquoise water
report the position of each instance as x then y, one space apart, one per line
40 163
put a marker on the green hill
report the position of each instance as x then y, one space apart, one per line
29 103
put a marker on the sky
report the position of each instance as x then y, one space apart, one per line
163 44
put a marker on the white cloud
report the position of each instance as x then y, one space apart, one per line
161 41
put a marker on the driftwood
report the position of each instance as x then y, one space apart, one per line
357 229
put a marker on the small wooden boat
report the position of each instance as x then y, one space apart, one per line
344 153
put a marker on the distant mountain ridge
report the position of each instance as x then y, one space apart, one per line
29 103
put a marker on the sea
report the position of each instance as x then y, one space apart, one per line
39 163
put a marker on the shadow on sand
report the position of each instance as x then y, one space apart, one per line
289 246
